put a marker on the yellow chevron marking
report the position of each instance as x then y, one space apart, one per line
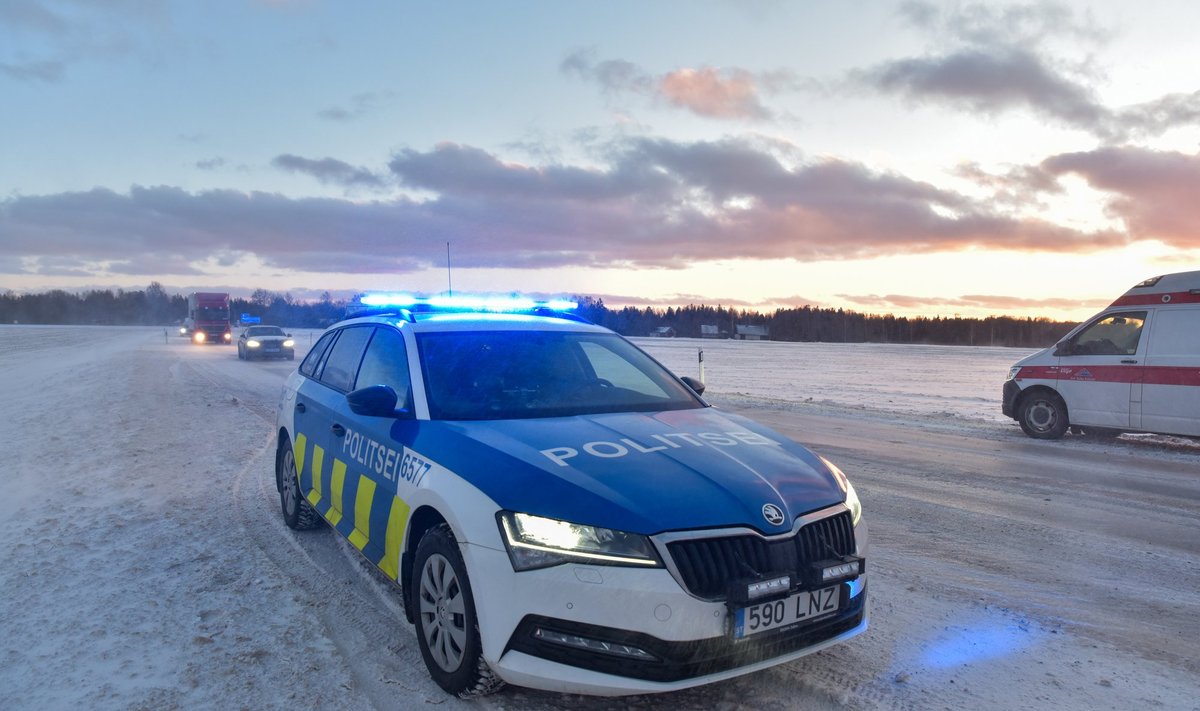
318 465
335 499
397 522
298 451
362 512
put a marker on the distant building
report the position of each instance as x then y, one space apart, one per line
663 332
748 332
707 331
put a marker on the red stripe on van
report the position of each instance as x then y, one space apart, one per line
1175 297
1148 374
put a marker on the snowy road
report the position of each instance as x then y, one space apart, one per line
144 564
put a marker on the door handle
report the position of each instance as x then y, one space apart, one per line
300 407
338 429
1129 361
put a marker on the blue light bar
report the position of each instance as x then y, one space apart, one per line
473 303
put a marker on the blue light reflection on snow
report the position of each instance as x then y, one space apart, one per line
988 639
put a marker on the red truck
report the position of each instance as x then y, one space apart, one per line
208 318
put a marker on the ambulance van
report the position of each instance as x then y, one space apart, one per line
1134 367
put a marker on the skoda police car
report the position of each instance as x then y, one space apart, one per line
558 509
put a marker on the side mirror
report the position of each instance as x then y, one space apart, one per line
375 401
695 385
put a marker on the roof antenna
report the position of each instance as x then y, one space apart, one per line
449 284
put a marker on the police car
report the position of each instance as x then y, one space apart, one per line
559 510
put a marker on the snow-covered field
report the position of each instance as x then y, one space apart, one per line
144 565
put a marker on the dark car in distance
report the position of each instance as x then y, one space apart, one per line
265 342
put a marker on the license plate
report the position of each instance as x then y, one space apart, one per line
764 616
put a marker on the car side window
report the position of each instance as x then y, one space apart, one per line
1115 334
386 363
344 357
308 367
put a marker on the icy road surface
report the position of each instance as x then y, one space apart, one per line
144 564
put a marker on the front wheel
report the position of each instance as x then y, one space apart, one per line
1043 415
447 629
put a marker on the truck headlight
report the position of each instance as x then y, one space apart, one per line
1012 372
537 542
852 501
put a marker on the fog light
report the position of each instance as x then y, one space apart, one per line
766 588
592 645
839 571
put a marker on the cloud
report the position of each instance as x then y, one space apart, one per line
329 171
1153 192
360 105
994 59
971 301
42 40
650 203
707 92
991 81
49 71
727 94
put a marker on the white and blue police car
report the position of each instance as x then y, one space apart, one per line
558 509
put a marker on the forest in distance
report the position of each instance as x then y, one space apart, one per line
155 307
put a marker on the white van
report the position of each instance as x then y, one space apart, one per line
1134 367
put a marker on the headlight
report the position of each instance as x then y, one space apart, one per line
199 337
229 336
289 343
253 343
1012 372
536 542
183 331
852 501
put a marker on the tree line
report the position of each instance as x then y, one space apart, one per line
155 307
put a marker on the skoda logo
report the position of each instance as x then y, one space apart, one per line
773 515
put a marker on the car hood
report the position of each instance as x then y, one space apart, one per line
644 473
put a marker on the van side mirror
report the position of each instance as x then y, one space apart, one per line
376 401
695 385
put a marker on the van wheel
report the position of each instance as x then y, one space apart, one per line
447 629
1043 415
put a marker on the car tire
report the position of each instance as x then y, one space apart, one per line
1043 415
447 628
298 514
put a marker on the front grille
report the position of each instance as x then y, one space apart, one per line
708 565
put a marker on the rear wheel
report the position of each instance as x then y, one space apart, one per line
1043 415
447 629
297 512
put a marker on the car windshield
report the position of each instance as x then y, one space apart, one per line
264 331
506 375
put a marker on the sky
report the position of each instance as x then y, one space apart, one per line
912 157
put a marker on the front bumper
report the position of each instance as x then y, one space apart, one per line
686 639
1008 404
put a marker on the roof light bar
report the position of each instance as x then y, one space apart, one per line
473 303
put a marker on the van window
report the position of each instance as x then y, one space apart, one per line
1176 333
1115 334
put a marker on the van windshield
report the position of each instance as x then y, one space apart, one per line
1115 334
